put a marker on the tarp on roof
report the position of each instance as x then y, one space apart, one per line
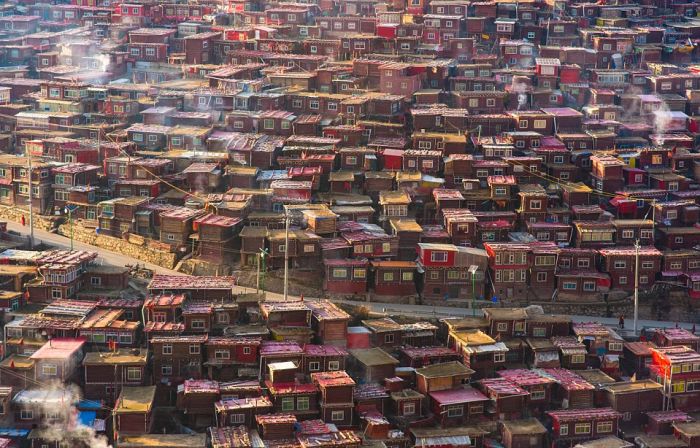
87 418
443 441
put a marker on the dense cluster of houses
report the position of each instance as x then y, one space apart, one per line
193 365
446 149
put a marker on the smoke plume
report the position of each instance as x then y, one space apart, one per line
61 423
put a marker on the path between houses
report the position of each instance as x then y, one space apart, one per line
421 311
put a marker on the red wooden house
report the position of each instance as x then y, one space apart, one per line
394 278
458 407
577 425
508 398
345 276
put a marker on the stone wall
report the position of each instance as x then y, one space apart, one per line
15 214
135 248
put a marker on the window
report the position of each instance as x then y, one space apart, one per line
407 276
409 408
582 428
167 349
646 234
538 394
49 370
615 346
95 281
359 273
543 260
340 273
589 286
388 276
620 264
455 411
313 104
25 414
303 403
578 359
583 263
269 123
389 338
237 419
333 365
671 214
643 279
166 370
564 430
194 349
647 265
569 286
438 257
541 277
622 280
133 373
198 324
288 404
222 354
678 387
246 350
502 326
499 357
314 366
337 416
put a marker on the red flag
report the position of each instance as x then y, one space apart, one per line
12 363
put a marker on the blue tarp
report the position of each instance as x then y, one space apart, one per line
92 405
13 432
87 418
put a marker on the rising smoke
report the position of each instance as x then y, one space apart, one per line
662 120
65 427
521 89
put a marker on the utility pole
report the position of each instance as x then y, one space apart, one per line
70 221
260 283
286 254
636 284
31 204
257 276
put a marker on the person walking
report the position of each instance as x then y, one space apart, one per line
622 321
